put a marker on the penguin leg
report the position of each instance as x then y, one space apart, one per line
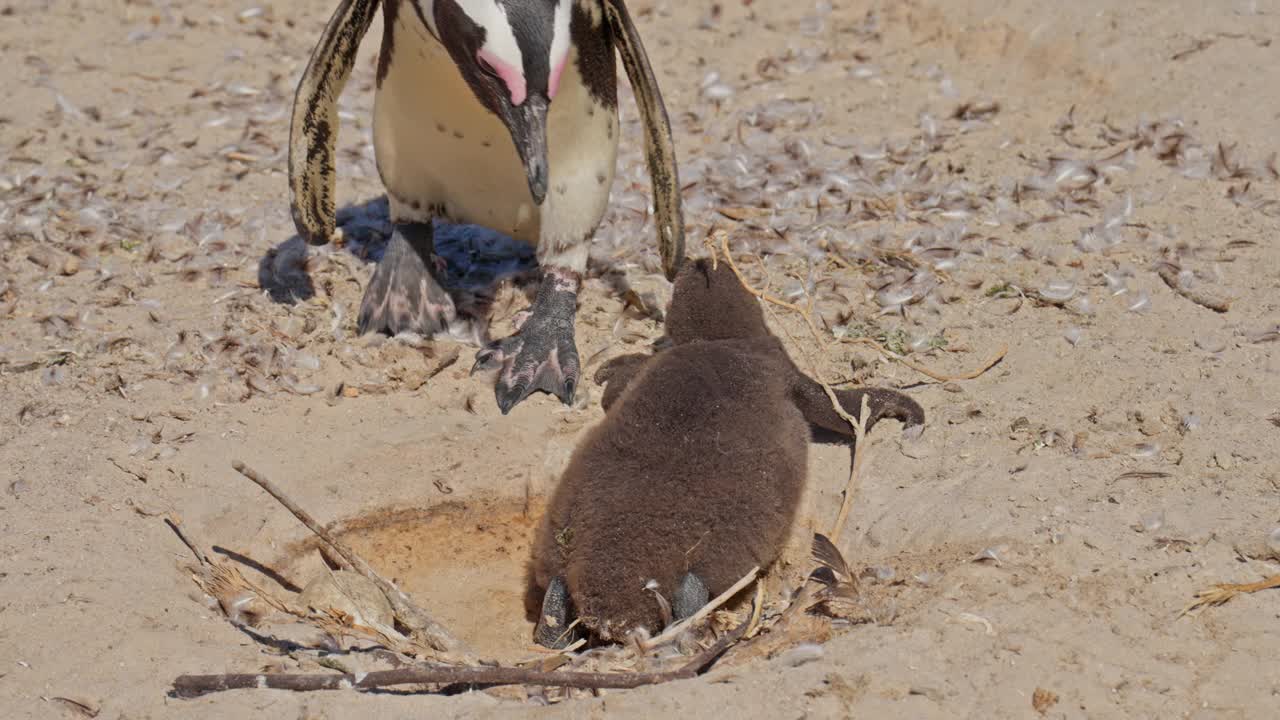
542 354
553 622
689 598
404 295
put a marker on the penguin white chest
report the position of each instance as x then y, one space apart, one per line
442 154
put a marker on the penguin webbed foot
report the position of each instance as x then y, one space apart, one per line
552 630
403 295
542 354
689 598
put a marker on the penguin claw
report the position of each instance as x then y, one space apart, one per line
542 356
488 358
541 353
403 295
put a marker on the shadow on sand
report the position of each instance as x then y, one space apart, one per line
476 258
477 261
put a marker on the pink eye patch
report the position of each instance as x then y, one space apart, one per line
512 77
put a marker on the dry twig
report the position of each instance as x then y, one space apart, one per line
189 686
176 527
822 342
858 424
1221 593
673 632
940 377
420 624
764 637
859 451
230 587
808 318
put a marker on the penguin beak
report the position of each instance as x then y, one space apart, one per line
528 126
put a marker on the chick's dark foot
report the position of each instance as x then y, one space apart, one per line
689 598
403 295
553 630
541 355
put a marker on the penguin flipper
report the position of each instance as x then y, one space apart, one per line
659 148
313 130
617 374
815 405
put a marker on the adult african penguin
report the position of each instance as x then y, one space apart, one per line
695 473
500 113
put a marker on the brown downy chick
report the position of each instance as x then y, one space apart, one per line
695 474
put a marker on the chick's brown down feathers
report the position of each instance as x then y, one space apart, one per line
698 465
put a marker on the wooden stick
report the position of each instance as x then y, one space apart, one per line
674 631
176 527
851 488
189 686
415 618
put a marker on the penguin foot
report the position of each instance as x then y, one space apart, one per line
542 354
404 295
689 597
552 630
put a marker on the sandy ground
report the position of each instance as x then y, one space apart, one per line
911 163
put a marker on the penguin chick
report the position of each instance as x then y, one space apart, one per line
695 474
